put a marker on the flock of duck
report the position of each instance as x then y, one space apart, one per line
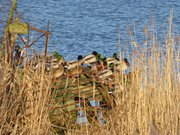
93 64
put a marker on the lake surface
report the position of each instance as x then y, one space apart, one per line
82 26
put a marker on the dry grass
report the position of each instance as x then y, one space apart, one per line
148 104
24 102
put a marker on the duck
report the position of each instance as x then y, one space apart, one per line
57 72
52 61
74 68
120 66
96 67
106 76
106 73
54 64
91 58
73 64
55 67
18 59
112 59
73 72
100 57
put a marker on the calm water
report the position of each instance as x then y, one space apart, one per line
81 26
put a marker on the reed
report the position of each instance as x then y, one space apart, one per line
24 104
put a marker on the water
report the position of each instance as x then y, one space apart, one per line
82 26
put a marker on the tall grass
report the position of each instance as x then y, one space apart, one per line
24 104
147 100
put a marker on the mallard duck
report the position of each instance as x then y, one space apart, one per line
57 72
54 64
55 67
52 61
99 65
74 68
105 65
90 59
104 74
73 64
112 59
18 59
73 72
96 67
120 65
100 57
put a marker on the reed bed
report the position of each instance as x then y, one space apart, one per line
147 101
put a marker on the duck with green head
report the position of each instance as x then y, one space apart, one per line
91 58
54 60
100 57
55 65
75 63
112 59
74 68
120 66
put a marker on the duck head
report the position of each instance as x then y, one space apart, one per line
115 55
100 57
95 53
79 58
126 62
111 67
